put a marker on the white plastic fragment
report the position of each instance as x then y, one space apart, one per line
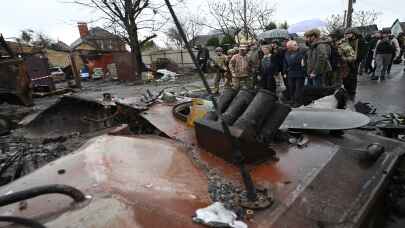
167 75
216 215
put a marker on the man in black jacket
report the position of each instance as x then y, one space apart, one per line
372 43
383 55
202 58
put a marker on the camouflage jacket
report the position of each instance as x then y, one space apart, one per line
240 66
346 51
254 57
220 63
355 46
317 58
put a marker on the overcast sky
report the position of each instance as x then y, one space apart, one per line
58 19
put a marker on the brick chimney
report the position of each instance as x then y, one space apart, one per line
83 29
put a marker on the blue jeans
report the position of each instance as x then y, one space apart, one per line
314 82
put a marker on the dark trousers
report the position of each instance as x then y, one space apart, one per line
350 82
268 82
203 65
296 89
369 61
390 65
315 82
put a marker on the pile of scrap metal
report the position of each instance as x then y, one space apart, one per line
161 177
15 85
390 125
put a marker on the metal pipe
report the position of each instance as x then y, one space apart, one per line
238 106
223 103
247 179
257 111
74 193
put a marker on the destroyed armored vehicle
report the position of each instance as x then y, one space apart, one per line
149 168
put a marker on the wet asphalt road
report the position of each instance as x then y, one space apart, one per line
388 96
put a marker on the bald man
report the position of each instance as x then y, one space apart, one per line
293 68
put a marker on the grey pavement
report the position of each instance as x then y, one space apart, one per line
387 96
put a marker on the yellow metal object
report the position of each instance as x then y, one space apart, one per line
198 110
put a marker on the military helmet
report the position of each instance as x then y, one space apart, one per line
219 49
243 47
313 32
351 30
337 34
231 51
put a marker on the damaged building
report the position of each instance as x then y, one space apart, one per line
98 48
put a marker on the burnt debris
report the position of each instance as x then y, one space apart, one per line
19 156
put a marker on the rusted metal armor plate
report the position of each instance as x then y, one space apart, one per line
149 181
134 182
160 115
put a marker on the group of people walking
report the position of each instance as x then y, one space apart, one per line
384 49
333 61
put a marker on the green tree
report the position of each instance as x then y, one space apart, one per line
284 25
213 42
227 42
270 26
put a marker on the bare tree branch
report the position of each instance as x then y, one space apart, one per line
229 17
192 26
363 18
126 18
147 39
360 18
335 21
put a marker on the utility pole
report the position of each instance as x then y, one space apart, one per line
349 13
245 20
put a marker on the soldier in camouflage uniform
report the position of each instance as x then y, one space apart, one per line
346 61
317 58
241 69
255 56
228 74
219 63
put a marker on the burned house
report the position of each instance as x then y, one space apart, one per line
96 39
96 47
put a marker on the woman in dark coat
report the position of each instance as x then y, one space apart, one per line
295 72
268 69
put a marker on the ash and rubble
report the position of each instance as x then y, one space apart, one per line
22 152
